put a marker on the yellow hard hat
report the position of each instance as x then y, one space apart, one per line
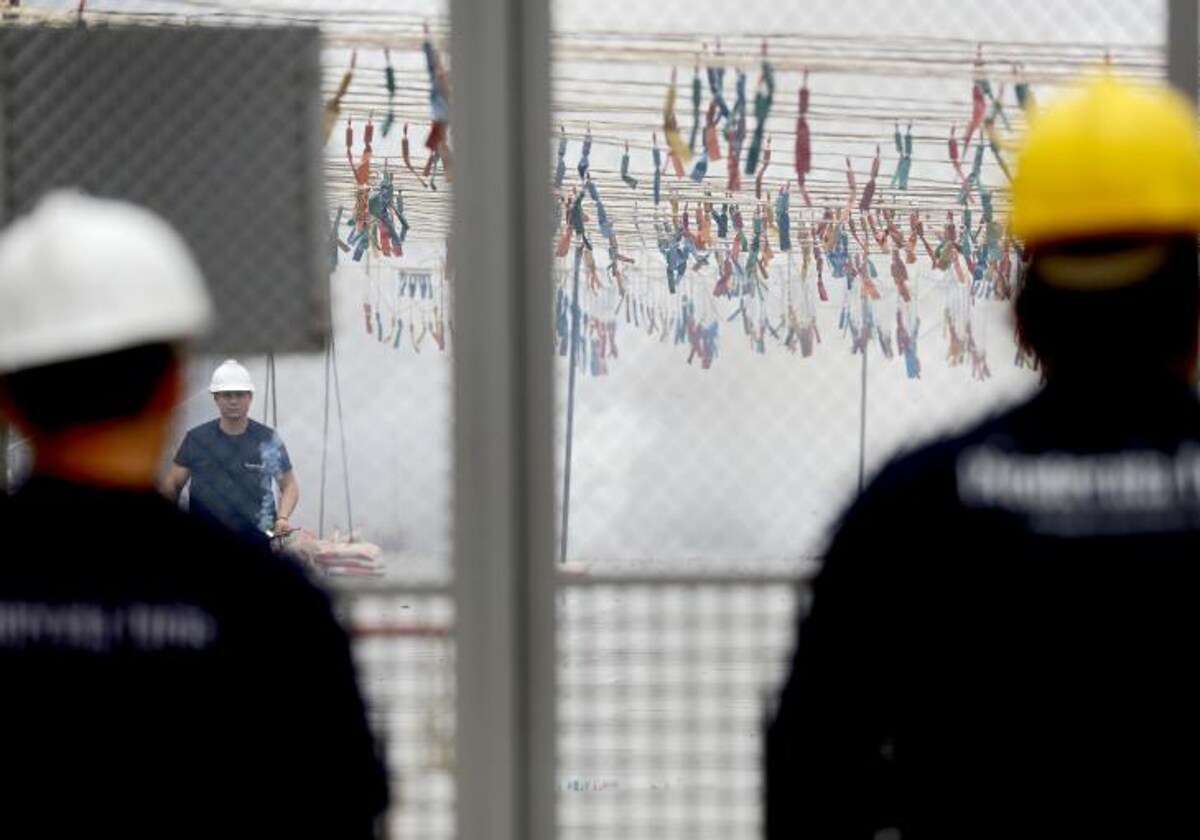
1112 157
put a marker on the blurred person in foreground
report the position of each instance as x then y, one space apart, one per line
232 465
1001 635
158 676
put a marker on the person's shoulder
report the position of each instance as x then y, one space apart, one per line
917 481
936 459
260 430
205 429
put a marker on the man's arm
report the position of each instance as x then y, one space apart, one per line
174 481
289 497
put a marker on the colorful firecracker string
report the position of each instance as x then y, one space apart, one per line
875 192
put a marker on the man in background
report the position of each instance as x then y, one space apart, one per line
233 464
161 677
1001 637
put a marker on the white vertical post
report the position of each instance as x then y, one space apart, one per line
504 495
1183 51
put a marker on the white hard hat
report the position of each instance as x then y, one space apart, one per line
81 276
230 376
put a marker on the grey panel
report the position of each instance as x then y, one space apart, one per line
216 128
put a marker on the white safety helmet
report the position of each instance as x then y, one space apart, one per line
81 276
230 376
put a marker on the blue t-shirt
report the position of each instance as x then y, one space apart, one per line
233 476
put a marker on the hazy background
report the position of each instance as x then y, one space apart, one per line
748 461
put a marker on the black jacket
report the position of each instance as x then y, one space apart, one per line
1004 632
160 678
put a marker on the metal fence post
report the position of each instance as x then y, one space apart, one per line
504 496
1183 53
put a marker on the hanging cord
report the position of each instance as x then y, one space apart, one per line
324 444
274 395
331 372
271 402
342 438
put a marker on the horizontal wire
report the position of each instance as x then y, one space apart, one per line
622 108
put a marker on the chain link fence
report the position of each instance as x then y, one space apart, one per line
718 420
215 128
717 408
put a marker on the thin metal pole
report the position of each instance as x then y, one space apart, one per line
270 399
504 440
3 456
566 494
5 215
324 444
337 390
862 422
1183 51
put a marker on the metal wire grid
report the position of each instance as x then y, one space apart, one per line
214 128
750 460
404 649
664 684
663 689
